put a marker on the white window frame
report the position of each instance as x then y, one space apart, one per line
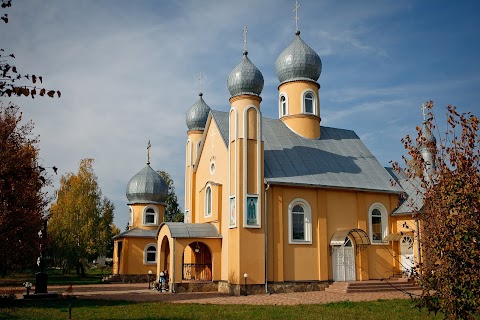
384 216
144 216
307 221
208 200
145 253
314 102
130 222
186 217
280 107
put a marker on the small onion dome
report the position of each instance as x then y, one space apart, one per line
147 186
197 115
245 78
298 62
427 136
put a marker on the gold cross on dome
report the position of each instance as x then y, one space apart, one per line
423 111
148 152
296 14
245 30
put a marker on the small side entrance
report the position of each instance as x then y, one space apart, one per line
343 261
406 255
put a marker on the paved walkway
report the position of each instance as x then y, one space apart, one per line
140 292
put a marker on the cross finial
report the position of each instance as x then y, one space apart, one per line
245 30
200 82
296 14
148 152
423 111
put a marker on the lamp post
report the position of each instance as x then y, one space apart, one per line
245 275
149 278
41 278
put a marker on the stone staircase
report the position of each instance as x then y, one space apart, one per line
392 284
114 278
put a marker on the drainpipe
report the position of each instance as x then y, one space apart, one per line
266 242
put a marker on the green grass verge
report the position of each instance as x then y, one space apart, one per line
55 277
104 309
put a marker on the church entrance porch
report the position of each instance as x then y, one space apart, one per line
343 261
345 244
406 255
197 262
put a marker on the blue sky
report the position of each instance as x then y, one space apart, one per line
128 72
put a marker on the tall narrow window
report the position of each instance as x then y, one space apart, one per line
308 102
150 253
208 201
283 106
378 226
299 222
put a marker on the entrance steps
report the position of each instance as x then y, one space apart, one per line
114 278
392 284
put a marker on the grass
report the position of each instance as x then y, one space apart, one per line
104 309
55 277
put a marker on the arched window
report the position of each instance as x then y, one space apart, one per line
131 216
208 201
150 216
378 224
309 103
283 105
300 225
150 253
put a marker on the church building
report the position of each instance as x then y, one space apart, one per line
271 203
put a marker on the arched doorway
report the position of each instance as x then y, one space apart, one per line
164 261
406 255
197 262
343 261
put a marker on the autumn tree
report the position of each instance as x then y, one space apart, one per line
22 201
172 209
449 220
81 221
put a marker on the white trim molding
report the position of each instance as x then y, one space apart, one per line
380 211
280 106
307 220
154 213
146 252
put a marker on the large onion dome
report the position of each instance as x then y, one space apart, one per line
298 62
147 186
245 78
197 115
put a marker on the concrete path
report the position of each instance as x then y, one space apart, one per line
140 292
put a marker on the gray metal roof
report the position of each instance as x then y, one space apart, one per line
137 233
245 78
197 115
191 230
147 186
413 198
339 159
298 62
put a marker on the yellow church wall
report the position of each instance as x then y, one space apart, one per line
252 165
138 216
306 125
332 210
134 248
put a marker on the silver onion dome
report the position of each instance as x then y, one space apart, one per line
197 115
298 62
147 186
427 136
245 78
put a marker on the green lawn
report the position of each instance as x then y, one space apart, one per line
56 277
103 309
